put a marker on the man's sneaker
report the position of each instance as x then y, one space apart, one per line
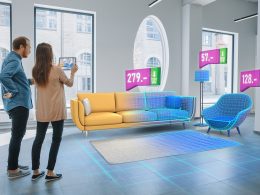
20 173
52 178
23 167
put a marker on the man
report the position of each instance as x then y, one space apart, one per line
17 101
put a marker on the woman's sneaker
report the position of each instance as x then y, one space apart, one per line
20 173
52 178
38 176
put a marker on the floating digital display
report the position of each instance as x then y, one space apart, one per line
249 79
142 77
216 56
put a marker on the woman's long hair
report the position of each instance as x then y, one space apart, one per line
43 64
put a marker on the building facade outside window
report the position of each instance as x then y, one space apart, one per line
84 24
206 39
46 20
85 63
5 35
69 41
4 15
152 30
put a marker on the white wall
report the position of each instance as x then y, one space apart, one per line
220 15
117 22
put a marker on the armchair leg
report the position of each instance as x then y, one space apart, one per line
228 133
238 130
208 130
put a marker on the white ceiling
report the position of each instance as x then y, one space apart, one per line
199 2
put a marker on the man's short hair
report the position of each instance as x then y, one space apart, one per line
20 41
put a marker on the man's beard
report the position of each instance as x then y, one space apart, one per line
25 55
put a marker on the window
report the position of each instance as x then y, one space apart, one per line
84 24
5 35
206 39
151 30
84 84
151 50
67 42
85 59
153 62
221 75
46 20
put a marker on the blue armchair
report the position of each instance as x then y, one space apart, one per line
228 113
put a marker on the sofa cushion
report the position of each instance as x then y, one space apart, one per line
137 116
173 102
157 99
130 101
99 102
103 118
170 114
87 107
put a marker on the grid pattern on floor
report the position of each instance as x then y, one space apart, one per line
122 150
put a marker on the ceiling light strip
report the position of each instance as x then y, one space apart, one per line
154 3
246 17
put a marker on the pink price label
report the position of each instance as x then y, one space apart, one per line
249 79
209 57
138 77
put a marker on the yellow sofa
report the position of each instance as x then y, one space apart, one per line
125 109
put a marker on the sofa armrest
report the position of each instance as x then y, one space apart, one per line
76 113
188 104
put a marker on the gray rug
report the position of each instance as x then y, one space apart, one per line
122 150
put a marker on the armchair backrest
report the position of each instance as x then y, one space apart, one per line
231 104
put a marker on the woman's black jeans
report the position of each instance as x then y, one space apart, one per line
19 116
37 144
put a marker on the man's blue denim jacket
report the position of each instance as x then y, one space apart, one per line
14 80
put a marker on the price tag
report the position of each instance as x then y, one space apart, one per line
249 79
216 56
142 77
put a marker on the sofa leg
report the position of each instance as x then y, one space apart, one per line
183 125
238 130
208 130
228 133
85 132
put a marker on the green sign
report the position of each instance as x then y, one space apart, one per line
223 55
156 76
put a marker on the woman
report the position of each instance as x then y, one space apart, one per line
50 107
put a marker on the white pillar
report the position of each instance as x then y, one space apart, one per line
191 45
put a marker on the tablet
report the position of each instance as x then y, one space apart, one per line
67 62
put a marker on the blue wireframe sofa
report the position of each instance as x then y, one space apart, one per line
228 113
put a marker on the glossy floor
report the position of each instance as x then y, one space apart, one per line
233 170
